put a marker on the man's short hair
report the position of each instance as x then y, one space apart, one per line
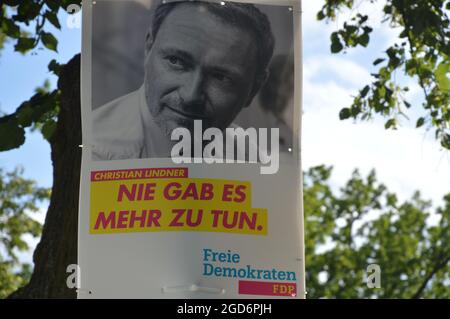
241 15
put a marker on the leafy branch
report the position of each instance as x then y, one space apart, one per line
38 113
422 53
17 17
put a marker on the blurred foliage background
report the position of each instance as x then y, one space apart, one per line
19 199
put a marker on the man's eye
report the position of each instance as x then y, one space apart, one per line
222 78
174 61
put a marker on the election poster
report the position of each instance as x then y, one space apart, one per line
191 178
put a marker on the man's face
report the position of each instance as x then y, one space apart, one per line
198 68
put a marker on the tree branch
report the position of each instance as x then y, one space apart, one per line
436 268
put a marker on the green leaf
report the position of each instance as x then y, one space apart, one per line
53 18
365 91
364 39
420 122
12 135
49 41
53 5
445 141
336 45
48 129
28 10
387 9
390 123
25 44
54 66
344 114
363 19
367 30
320 15
441 76
25 116
378 61
10 28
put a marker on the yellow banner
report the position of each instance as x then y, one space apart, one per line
183 204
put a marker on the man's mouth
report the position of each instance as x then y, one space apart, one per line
193 116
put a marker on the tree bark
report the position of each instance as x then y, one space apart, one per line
58 246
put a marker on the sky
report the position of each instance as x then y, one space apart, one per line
405 160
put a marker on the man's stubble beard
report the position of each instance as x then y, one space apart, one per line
166 122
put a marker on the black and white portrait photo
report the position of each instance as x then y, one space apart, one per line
161 65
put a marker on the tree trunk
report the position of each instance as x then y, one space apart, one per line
58 246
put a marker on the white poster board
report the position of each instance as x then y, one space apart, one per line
150 227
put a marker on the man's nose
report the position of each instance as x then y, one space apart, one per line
192 91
